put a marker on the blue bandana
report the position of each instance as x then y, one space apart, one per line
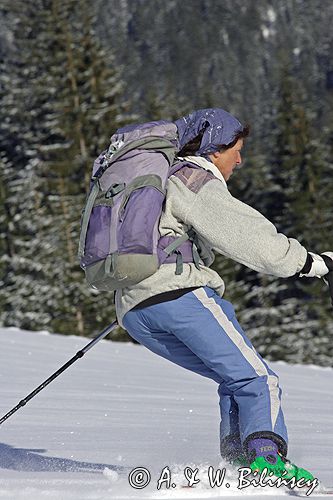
219 127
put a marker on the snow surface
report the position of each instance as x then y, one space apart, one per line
121 407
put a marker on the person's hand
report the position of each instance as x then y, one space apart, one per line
317 266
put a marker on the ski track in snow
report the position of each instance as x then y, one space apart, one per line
121 407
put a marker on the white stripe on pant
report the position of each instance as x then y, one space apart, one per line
199 331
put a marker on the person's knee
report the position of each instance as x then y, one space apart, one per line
254 384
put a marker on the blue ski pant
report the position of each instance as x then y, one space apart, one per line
199 331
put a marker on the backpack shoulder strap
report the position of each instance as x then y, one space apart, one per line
194 177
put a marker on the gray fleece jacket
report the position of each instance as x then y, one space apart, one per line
224 225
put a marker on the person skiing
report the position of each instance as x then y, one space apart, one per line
184 318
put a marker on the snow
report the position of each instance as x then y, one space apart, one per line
271 15
120 408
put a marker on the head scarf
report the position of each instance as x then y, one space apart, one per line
220 127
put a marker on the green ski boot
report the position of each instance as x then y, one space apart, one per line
264 454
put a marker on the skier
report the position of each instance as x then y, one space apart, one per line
183 317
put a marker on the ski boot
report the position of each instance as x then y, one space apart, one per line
264 453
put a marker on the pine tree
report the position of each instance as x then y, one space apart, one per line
289 316
72 103
22 274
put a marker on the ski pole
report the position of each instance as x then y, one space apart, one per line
78 355
329 276
330 284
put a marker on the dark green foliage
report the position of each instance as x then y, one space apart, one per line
62 104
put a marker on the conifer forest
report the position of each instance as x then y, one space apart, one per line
73 71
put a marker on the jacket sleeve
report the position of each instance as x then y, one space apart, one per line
240 232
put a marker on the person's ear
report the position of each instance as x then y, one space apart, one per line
216 154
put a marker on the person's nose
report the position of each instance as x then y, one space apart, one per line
239 159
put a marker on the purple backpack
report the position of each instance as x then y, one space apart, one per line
120 244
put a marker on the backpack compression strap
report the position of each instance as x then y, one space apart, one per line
178 246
